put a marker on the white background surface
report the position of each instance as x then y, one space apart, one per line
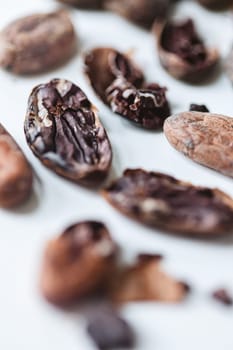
27 322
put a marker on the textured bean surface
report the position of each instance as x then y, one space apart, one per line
15 172
37 43
77 263
204 137
64 132
162 201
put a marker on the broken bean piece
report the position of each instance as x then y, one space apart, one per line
223 296
16 176
162 201
182 52
103 65
86 4
63 130
145 281
36 43
205 138
142 12
147 107
198 108
77 263
109 331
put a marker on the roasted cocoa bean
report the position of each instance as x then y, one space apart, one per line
108 330
77 263
145 281
198 108
37 43
182 52
162 201
206 138
16 174
103 65
63 130
86 4
142 12
147 107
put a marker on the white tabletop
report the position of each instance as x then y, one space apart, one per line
27 321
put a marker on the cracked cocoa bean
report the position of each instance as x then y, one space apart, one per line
63 130
103 65
206 138
37 43
147 107
145 281
162 201
86 4
77 263
182 52
16 174
142 12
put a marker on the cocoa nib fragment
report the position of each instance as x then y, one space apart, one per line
198 108
103 65
182 52
162 201
85 4
77 263
63 130
142 12
205 138
147 107
37 43
16 175
109 331
223 296
145 281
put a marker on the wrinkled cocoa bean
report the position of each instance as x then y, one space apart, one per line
63 130
16 174
198 108
147 107
182 52
142 12
109 331
103 65
145 281
37 43
77 263
206 138
162 201
86 4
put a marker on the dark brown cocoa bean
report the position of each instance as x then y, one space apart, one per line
37 43
63 130
142 12
147 107
198 108
86 4
182 52
103 65
206 138
109 331
16 174
77 263
145 281
162 201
